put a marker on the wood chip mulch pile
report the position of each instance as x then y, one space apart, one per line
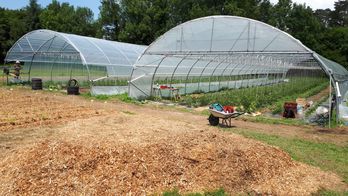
97 167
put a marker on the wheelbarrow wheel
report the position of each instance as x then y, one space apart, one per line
213 121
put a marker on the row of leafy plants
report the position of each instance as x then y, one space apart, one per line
254 98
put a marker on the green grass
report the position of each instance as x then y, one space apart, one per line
60 70
121 97
329 157
276 121
324 192
111 82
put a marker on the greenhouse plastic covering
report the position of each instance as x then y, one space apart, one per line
218 52
49 46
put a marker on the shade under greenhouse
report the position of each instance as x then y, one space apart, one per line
58 57
227 52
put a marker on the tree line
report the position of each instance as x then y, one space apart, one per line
142 21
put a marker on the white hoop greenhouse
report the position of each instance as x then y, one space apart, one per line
58 57
223 52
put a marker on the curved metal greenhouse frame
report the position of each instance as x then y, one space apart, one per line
219 52
60 56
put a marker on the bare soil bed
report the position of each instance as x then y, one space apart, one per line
22 108
115 148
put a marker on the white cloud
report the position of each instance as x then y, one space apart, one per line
314 4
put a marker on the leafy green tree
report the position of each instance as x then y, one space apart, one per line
185 10
324 16
65 18
339 17
4 33
232 8
84 22
109 20
53 18
251 8
17 23
199 10
303 25
335 45
144 21
12 27
33 11
266 10
281 13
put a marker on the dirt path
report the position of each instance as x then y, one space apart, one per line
105 148
319 96
338 136
35 109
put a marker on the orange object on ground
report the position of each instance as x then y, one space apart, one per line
228 109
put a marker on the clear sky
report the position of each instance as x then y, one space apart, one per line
94 4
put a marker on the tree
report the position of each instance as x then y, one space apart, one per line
65 18
51 17
339 17
4 33
12 27
33 11
303 25
17 25
144 21
251 8
266 10
335 45
281 13
84 22
185 10
324 16
109 19
231 8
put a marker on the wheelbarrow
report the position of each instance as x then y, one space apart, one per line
215 116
